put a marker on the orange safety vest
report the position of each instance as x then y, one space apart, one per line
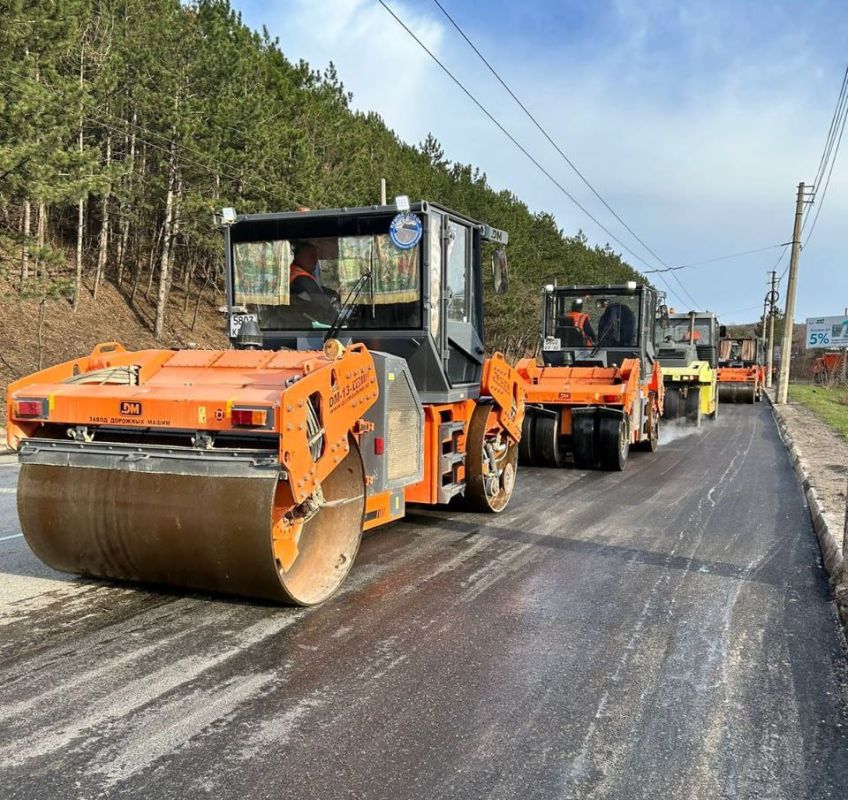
579 320
695 338
296 271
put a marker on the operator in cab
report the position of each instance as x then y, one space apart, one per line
580 320
307 295
687 336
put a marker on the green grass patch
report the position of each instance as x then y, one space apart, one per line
829 403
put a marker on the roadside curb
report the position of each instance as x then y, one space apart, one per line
823 523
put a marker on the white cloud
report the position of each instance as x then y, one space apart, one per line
697 138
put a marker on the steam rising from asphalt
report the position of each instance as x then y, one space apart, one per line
678 429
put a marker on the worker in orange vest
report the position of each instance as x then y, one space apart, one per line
696 338
580 320
306 292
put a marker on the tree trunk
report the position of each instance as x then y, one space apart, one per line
206 277
124 239
104 226
40 234
151 271
167 245
81 201
25 231
187 271
78 262
42 308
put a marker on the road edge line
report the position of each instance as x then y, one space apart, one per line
832 557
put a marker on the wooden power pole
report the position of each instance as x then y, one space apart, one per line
786 347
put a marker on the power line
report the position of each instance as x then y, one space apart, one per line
509 136
556 147
717 258
831 133
832 158
543 131
739 310
777 264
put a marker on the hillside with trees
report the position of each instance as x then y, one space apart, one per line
125 123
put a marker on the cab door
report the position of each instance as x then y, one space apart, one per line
462 303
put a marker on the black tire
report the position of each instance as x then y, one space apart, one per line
671 406
546 442
525 446
483 490
693 405
583 440
613 443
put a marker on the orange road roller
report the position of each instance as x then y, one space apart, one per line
357 383
741 370
599 388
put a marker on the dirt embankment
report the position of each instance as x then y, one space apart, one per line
69 334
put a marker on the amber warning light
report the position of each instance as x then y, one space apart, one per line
250 417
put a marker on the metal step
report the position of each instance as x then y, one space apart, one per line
448 429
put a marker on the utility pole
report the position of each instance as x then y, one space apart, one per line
789 316
772 301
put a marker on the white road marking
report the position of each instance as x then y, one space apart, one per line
13 536
7 490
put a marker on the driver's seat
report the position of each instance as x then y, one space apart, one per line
570 336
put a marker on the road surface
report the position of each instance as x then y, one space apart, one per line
661 633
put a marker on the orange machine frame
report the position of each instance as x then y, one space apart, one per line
569 387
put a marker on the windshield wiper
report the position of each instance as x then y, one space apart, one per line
346 307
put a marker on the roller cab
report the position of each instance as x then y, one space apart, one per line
598 389
357 383
741 369
686 347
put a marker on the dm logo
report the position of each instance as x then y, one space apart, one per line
130 408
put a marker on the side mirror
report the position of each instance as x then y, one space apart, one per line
722 331
500 271
662 315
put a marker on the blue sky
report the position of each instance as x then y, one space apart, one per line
695 119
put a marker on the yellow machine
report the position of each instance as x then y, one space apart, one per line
686 350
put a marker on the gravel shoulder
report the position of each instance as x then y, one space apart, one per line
825 456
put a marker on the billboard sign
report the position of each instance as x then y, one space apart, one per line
827 332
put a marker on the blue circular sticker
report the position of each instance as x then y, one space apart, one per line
405 230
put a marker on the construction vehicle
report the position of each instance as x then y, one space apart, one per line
254 471
741 370
599 389
686 350
829 367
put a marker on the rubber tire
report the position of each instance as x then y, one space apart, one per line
693 405
526 455
476 498
583 441
546 442
613 443
671 406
